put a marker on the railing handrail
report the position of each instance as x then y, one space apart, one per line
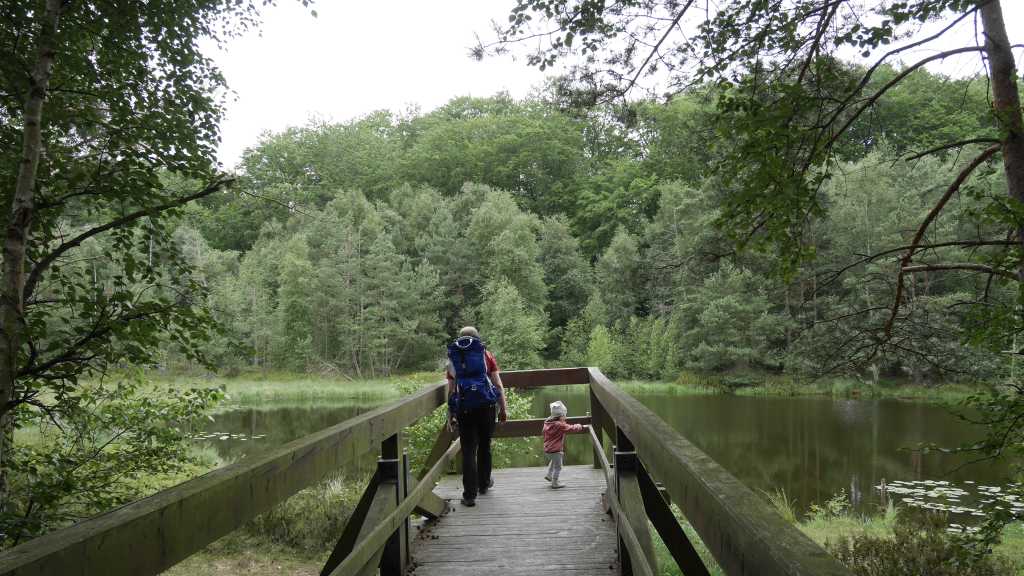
150 535
745 535
545 377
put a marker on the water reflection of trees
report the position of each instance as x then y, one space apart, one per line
810 447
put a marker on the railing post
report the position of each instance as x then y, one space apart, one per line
406 523
659 511
598 421
354 526
627 491
392 476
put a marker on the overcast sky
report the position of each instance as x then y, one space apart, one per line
357 57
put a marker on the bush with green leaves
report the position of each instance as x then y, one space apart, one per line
921 545
100 447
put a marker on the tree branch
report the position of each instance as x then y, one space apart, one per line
49 259
878 63
835 274
932 215
98 331
888 85
815 45
958 266
953 145
654 50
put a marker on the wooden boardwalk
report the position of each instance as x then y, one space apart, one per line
521 526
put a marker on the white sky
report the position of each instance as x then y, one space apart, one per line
357 57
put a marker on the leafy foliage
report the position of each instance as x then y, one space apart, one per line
96 449
513 332
921 546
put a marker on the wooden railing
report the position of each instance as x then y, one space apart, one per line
743 533
651 463
149 536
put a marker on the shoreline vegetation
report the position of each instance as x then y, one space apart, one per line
287 388
296 537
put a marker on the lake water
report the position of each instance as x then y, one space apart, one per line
810 447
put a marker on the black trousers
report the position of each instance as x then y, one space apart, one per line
475 430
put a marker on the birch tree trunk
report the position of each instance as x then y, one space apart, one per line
19 224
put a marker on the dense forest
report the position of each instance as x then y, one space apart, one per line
576 235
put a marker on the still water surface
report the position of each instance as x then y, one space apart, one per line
810 447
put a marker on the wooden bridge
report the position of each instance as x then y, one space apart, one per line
601 524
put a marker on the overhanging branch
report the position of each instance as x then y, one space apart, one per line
48 260
932 215
958 266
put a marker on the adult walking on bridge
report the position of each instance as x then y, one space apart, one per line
475 393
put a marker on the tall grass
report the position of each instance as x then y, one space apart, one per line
783 504
282 389
767 384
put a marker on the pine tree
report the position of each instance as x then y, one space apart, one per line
513 331
503 240
618 277
566 272
294 314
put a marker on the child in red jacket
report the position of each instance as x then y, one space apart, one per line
555 428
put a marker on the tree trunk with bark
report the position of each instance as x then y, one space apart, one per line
1006 104
18 229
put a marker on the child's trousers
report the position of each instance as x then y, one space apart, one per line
554 465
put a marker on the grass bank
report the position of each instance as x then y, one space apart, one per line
763 384
281 389
284 388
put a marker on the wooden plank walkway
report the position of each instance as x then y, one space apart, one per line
521 527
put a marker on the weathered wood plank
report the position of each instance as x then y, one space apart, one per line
628 539
355 523
384 501
553 569
383 530
395 556
636 549
664 521
547 377
431 506
532 427
147 537
522 526
600 424
633 506
743 533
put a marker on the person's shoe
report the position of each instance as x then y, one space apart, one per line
484 489
547 477
557 484
468 502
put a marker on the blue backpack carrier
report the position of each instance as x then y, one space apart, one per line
473 387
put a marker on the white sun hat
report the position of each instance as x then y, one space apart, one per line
558 408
